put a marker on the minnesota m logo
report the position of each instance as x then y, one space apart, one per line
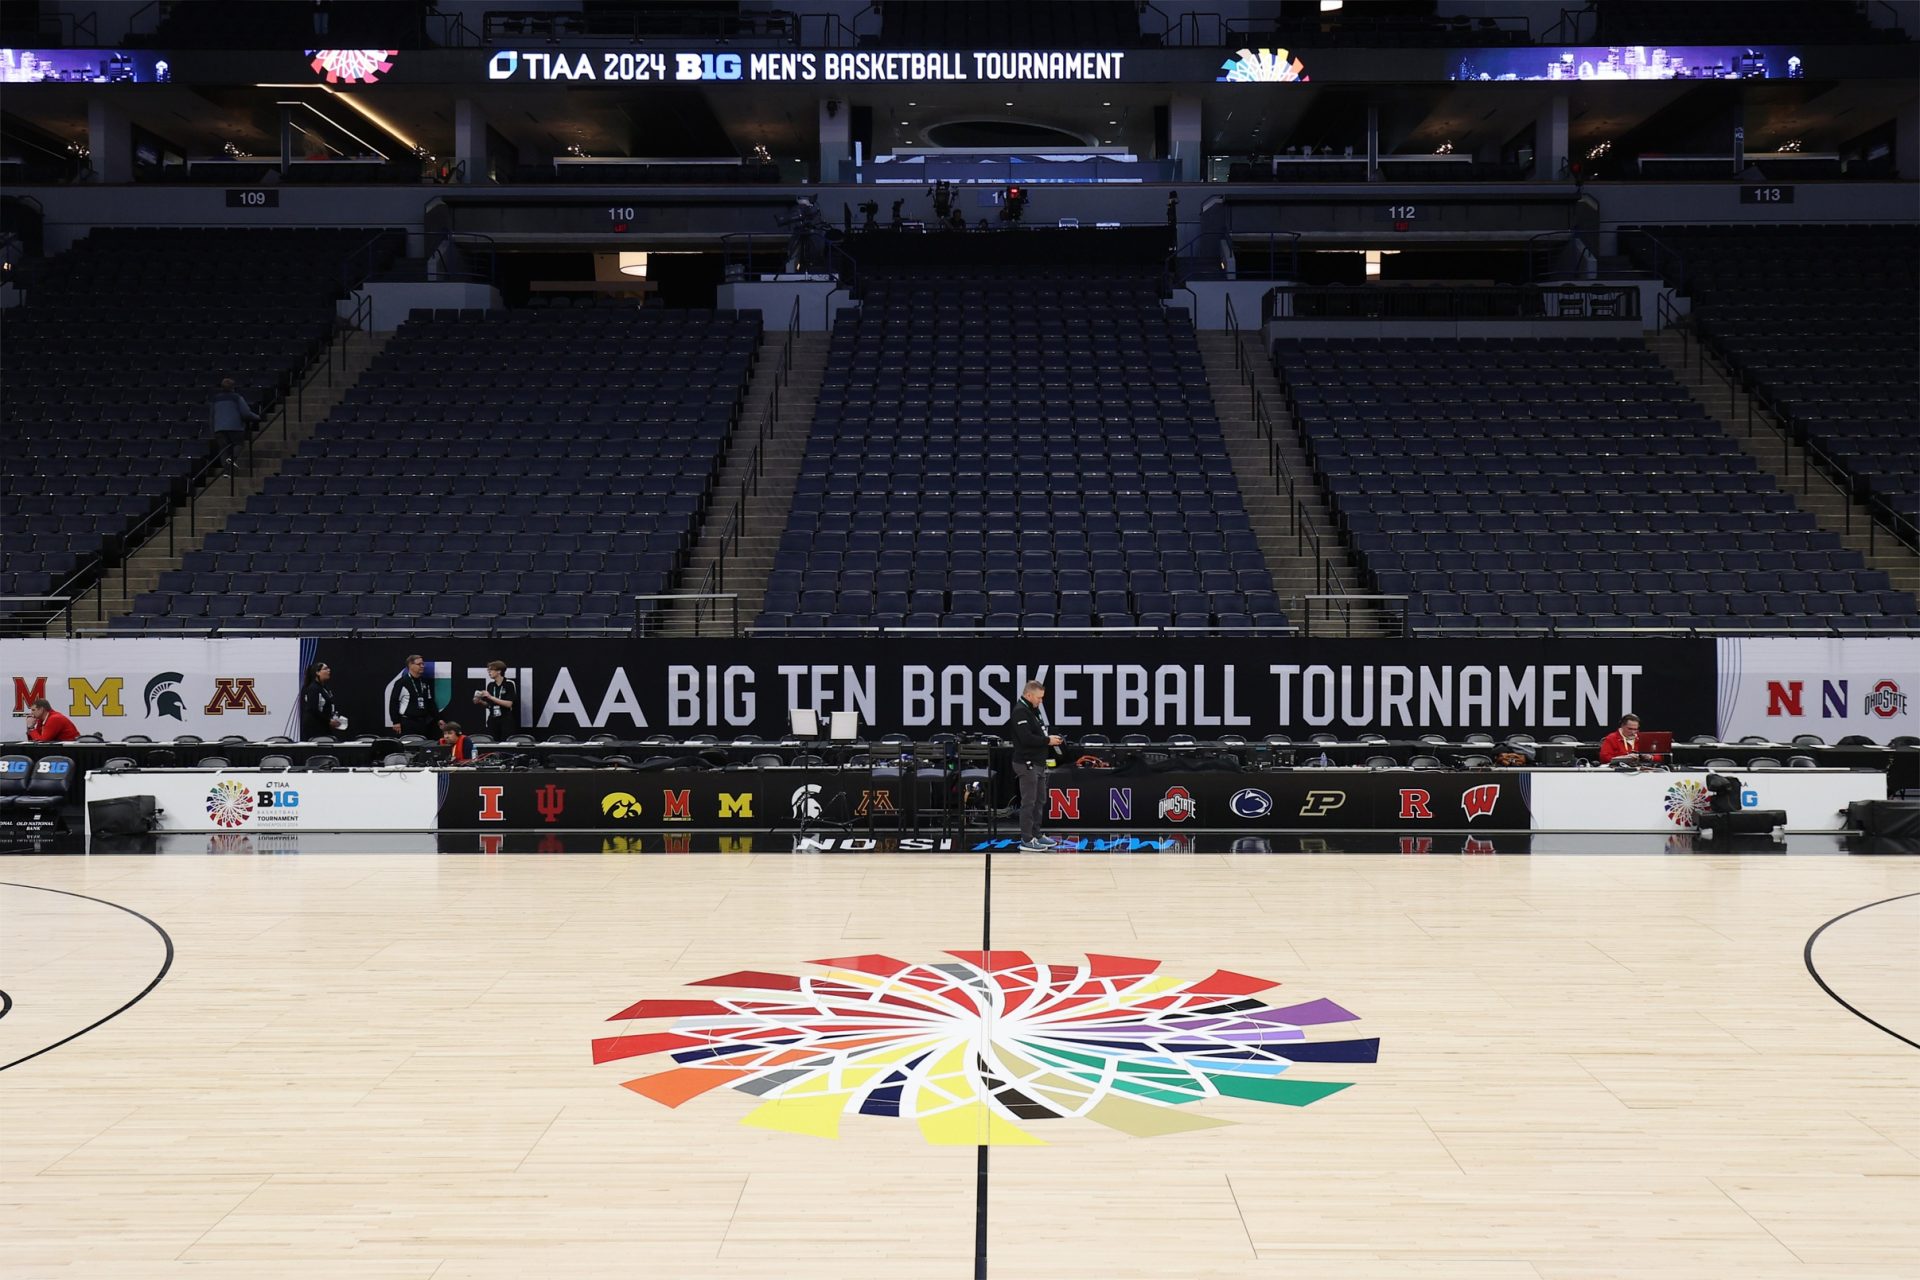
234 693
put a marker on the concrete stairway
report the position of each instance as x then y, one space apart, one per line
323 383
1291 561
746 560
1785 460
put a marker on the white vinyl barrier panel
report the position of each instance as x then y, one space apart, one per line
1602 800
158 687
260 800
1778 688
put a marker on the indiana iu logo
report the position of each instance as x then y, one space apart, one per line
1109 1040
551 801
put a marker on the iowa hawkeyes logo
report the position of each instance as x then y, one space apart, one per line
620 806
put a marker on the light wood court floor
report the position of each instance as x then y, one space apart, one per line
382 1066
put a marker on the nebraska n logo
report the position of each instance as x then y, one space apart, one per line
234 693
1478 802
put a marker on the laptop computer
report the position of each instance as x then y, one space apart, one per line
1654 744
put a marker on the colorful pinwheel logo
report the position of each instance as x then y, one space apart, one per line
1262 66
352 66
229 803
973 1050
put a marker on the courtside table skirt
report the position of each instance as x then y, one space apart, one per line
1080 800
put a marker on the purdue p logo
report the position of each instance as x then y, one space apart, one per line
234 693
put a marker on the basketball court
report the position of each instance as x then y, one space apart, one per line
377 1065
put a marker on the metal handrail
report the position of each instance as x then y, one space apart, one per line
18 622
699 598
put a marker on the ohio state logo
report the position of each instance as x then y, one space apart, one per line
1178 805
1886 700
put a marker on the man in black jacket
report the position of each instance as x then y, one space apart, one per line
411 706
1033 743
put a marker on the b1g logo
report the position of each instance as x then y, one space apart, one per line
707 66
282 800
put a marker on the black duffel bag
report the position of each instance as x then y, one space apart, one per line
123 816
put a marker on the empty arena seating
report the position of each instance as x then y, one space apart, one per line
1827 321
510 471
951 400
1568 484
110 365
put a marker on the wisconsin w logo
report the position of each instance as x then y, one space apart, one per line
1478 802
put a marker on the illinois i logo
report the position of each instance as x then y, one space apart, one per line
976 1050
229 803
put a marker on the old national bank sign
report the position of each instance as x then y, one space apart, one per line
821 67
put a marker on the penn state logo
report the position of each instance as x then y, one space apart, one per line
1251 802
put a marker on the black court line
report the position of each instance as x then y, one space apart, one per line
145 991
6 1004
1807 956
980 1165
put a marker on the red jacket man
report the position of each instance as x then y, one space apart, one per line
44 724
1622 743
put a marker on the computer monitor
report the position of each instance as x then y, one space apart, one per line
843 726
1553 755
805 722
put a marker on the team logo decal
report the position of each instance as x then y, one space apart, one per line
1251 803
621 806
161 699
975 1051
229 803
1478 802
352 66
1177 805
806 801
1886 700
1687 799
1318 804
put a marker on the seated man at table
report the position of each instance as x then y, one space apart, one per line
454 748
1622 745
44 724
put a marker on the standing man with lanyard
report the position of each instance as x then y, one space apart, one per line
496 700
1033 743
411 707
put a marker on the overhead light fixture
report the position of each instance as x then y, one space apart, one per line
633 264
1329 6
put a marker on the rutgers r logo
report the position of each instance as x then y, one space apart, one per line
234 693
1478 802
1321 803
490 804
1415 803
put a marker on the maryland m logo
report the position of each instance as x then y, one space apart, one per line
234 693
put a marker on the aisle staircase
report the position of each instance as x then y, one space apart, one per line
319 387
1290 517
734 553
1711 386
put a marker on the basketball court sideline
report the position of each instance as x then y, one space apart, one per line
385 1066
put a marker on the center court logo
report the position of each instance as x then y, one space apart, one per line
1251 803
229 803
976 1051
